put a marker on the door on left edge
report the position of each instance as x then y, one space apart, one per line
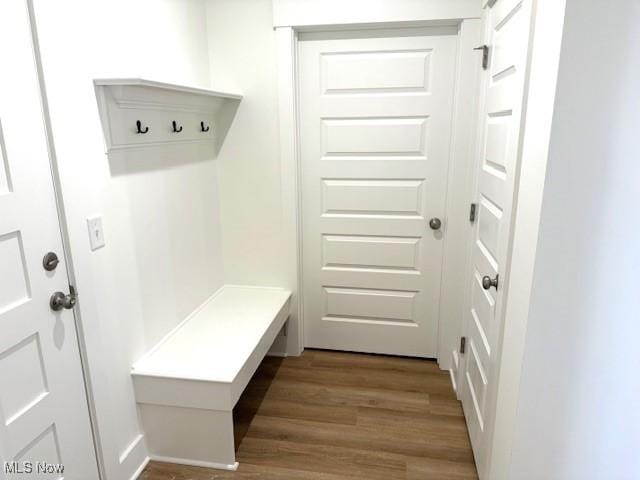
44 417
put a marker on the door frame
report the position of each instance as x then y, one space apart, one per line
459 179
64 234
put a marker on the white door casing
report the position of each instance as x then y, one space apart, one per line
507 25
43 406
375 115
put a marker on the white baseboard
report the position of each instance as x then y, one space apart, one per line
134 458
195 463
124 456
453 380
140 469
453 371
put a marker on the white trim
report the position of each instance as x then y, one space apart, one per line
140 469
452 377
141 82
196 463
459 231
126 147
159 106
130 448
286 53
134 458
66 243
303 13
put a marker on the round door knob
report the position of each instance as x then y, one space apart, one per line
488 282
435 223
59 301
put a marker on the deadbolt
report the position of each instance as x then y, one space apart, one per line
50 261
59 301
435 223
488 282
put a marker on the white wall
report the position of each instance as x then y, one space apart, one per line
242 58
577 415
163 247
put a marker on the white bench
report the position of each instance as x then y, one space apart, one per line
187 385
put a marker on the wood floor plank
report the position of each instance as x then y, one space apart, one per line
379 363
373 438
323 459
287 408
345 396
363 378
409 423
445 405
429 468
246 471
343 416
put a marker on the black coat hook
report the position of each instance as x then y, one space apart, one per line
139 127
175 127
202 127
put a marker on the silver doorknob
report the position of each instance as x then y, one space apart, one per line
435 223
488 282
60 300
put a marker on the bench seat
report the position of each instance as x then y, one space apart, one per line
187 385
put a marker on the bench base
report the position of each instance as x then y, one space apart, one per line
187 386
189 436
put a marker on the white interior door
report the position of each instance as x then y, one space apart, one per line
506 33
43 407
375 134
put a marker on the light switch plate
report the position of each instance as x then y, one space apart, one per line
96 233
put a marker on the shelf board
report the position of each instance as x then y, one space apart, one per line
141 82
125 103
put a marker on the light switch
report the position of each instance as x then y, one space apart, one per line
96 233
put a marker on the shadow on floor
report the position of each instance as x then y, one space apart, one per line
253 396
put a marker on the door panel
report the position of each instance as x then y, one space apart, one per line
386 136
43 410
372 197
360 72
371 252
506 33
372 305
375 134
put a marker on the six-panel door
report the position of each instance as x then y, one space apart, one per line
375 135
43 409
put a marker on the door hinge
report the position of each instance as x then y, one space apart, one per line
472 212
463 345
485 55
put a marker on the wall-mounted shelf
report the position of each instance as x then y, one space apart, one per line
139 113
